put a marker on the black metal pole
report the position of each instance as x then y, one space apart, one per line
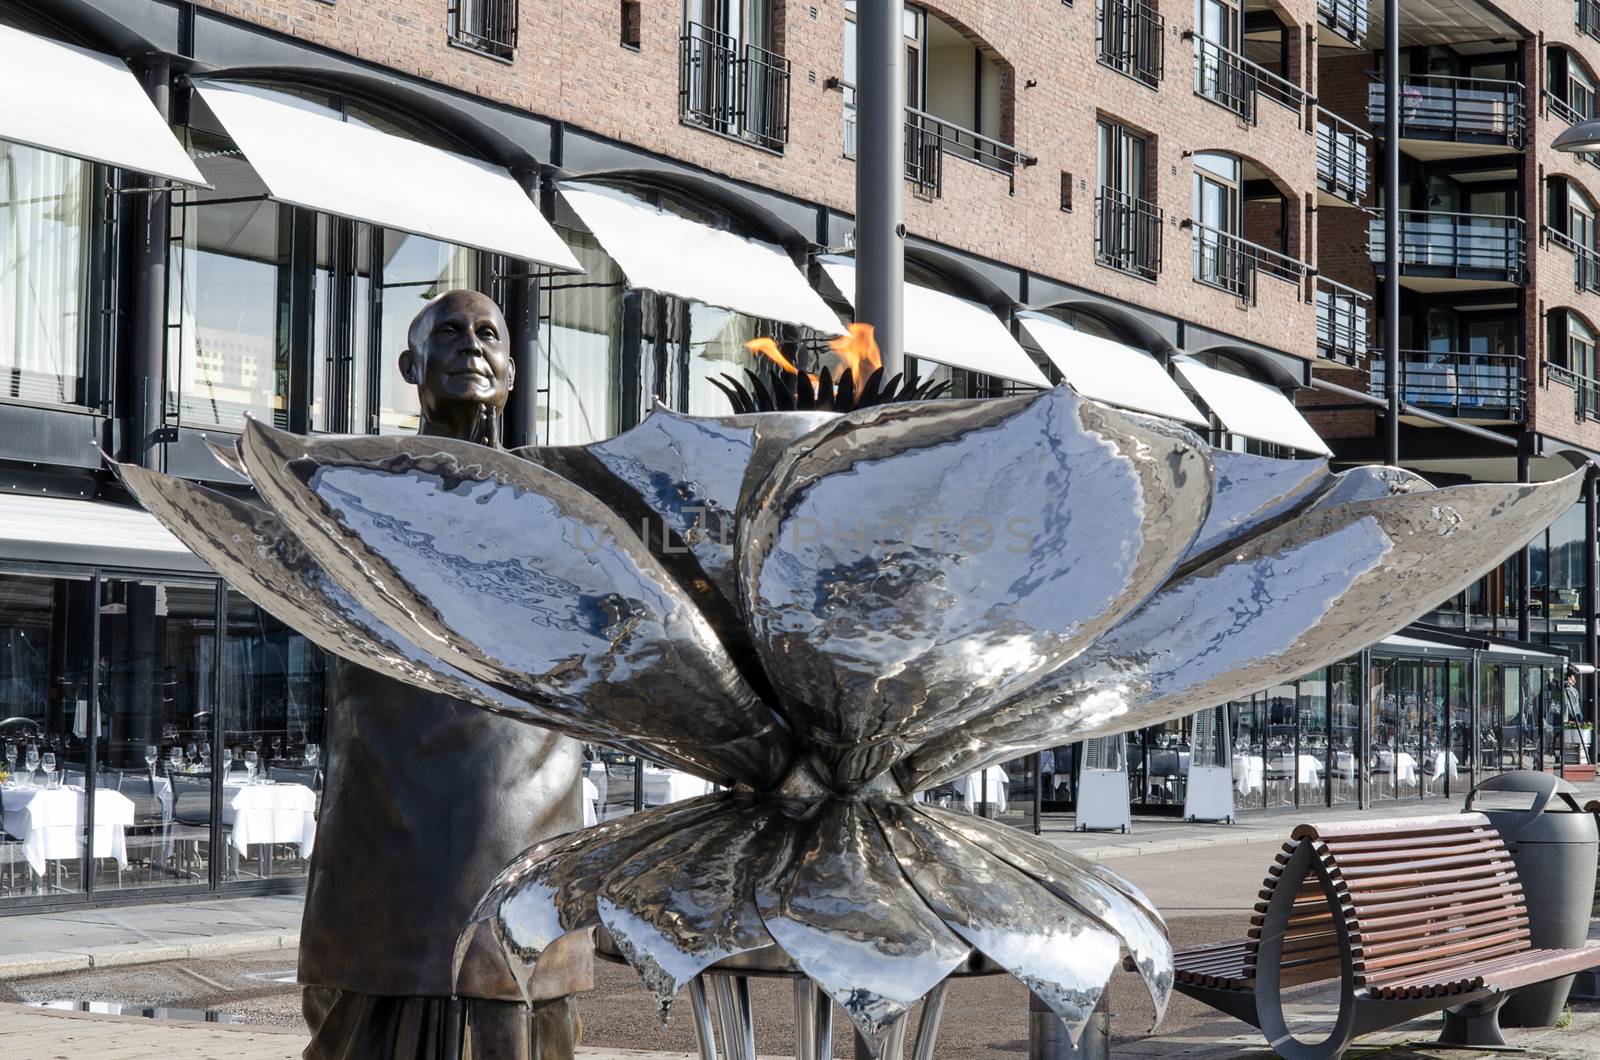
880 177
1391 228
522 318
1591 633
1038 789
1525 556
151 229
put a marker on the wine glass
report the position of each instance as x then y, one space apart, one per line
313 752
31 761
252 762
11 760
48 761
150 756
205 757
174 761
188 752
277 748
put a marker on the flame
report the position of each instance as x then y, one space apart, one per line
858 348
766 347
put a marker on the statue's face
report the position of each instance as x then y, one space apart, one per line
459 353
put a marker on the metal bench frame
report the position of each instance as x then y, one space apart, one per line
1308 927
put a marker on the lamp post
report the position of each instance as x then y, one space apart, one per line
1584 138
880 177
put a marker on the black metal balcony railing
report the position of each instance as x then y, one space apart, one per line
1230 80
1585 391
1222 259
1132 39
488 26
1484 385
1347 18
1127 233
1585 260
1476 109
1463 245
1587 16
1343 157
930 138
1572 116
1343 314
735 89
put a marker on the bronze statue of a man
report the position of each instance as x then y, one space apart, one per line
426 800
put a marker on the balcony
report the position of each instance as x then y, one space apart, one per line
1343 160
1127 233
1456 251
1342 317
1585 260
1483 386
1233 264
1567 113
1347 18
1587 17
737 90
1585 392
1132 40
1230 80
1466 113
487 26
930 139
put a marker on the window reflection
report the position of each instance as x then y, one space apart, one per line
228 265
580 365
45 210
413 270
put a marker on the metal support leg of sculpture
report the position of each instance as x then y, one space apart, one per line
928 1029
704 1036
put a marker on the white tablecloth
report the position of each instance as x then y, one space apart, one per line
591 803
972 789
50 823
663 786
1443 762
1249 773
270 813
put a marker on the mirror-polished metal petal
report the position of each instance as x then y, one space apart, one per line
678 480
1251 492
550 890
523 581
1064 958
687 902
1305 594
1100 894
841 908
910 567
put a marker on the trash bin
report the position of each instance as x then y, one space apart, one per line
1554 845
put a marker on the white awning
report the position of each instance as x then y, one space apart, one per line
76 102
660 251
62 530
1109 371
941 327
319 162
1252 409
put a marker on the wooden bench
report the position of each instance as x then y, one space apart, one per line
1409 916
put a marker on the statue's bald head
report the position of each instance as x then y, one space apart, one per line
458 356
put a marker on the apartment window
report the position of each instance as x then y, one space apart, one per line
488 26
1127 223
631 19
1580 348
730 79
46 218
1132 38
1217 257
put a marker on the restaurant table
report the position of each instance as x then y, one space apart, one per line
972 788
1249 773
270 813
49 823
663 786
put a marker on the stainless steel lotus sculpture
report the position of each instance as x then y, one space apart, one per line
829 613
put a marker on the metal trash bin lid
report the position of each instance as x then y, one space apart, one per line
1554 817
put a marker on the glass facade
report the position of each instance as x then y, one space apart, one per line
167 715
